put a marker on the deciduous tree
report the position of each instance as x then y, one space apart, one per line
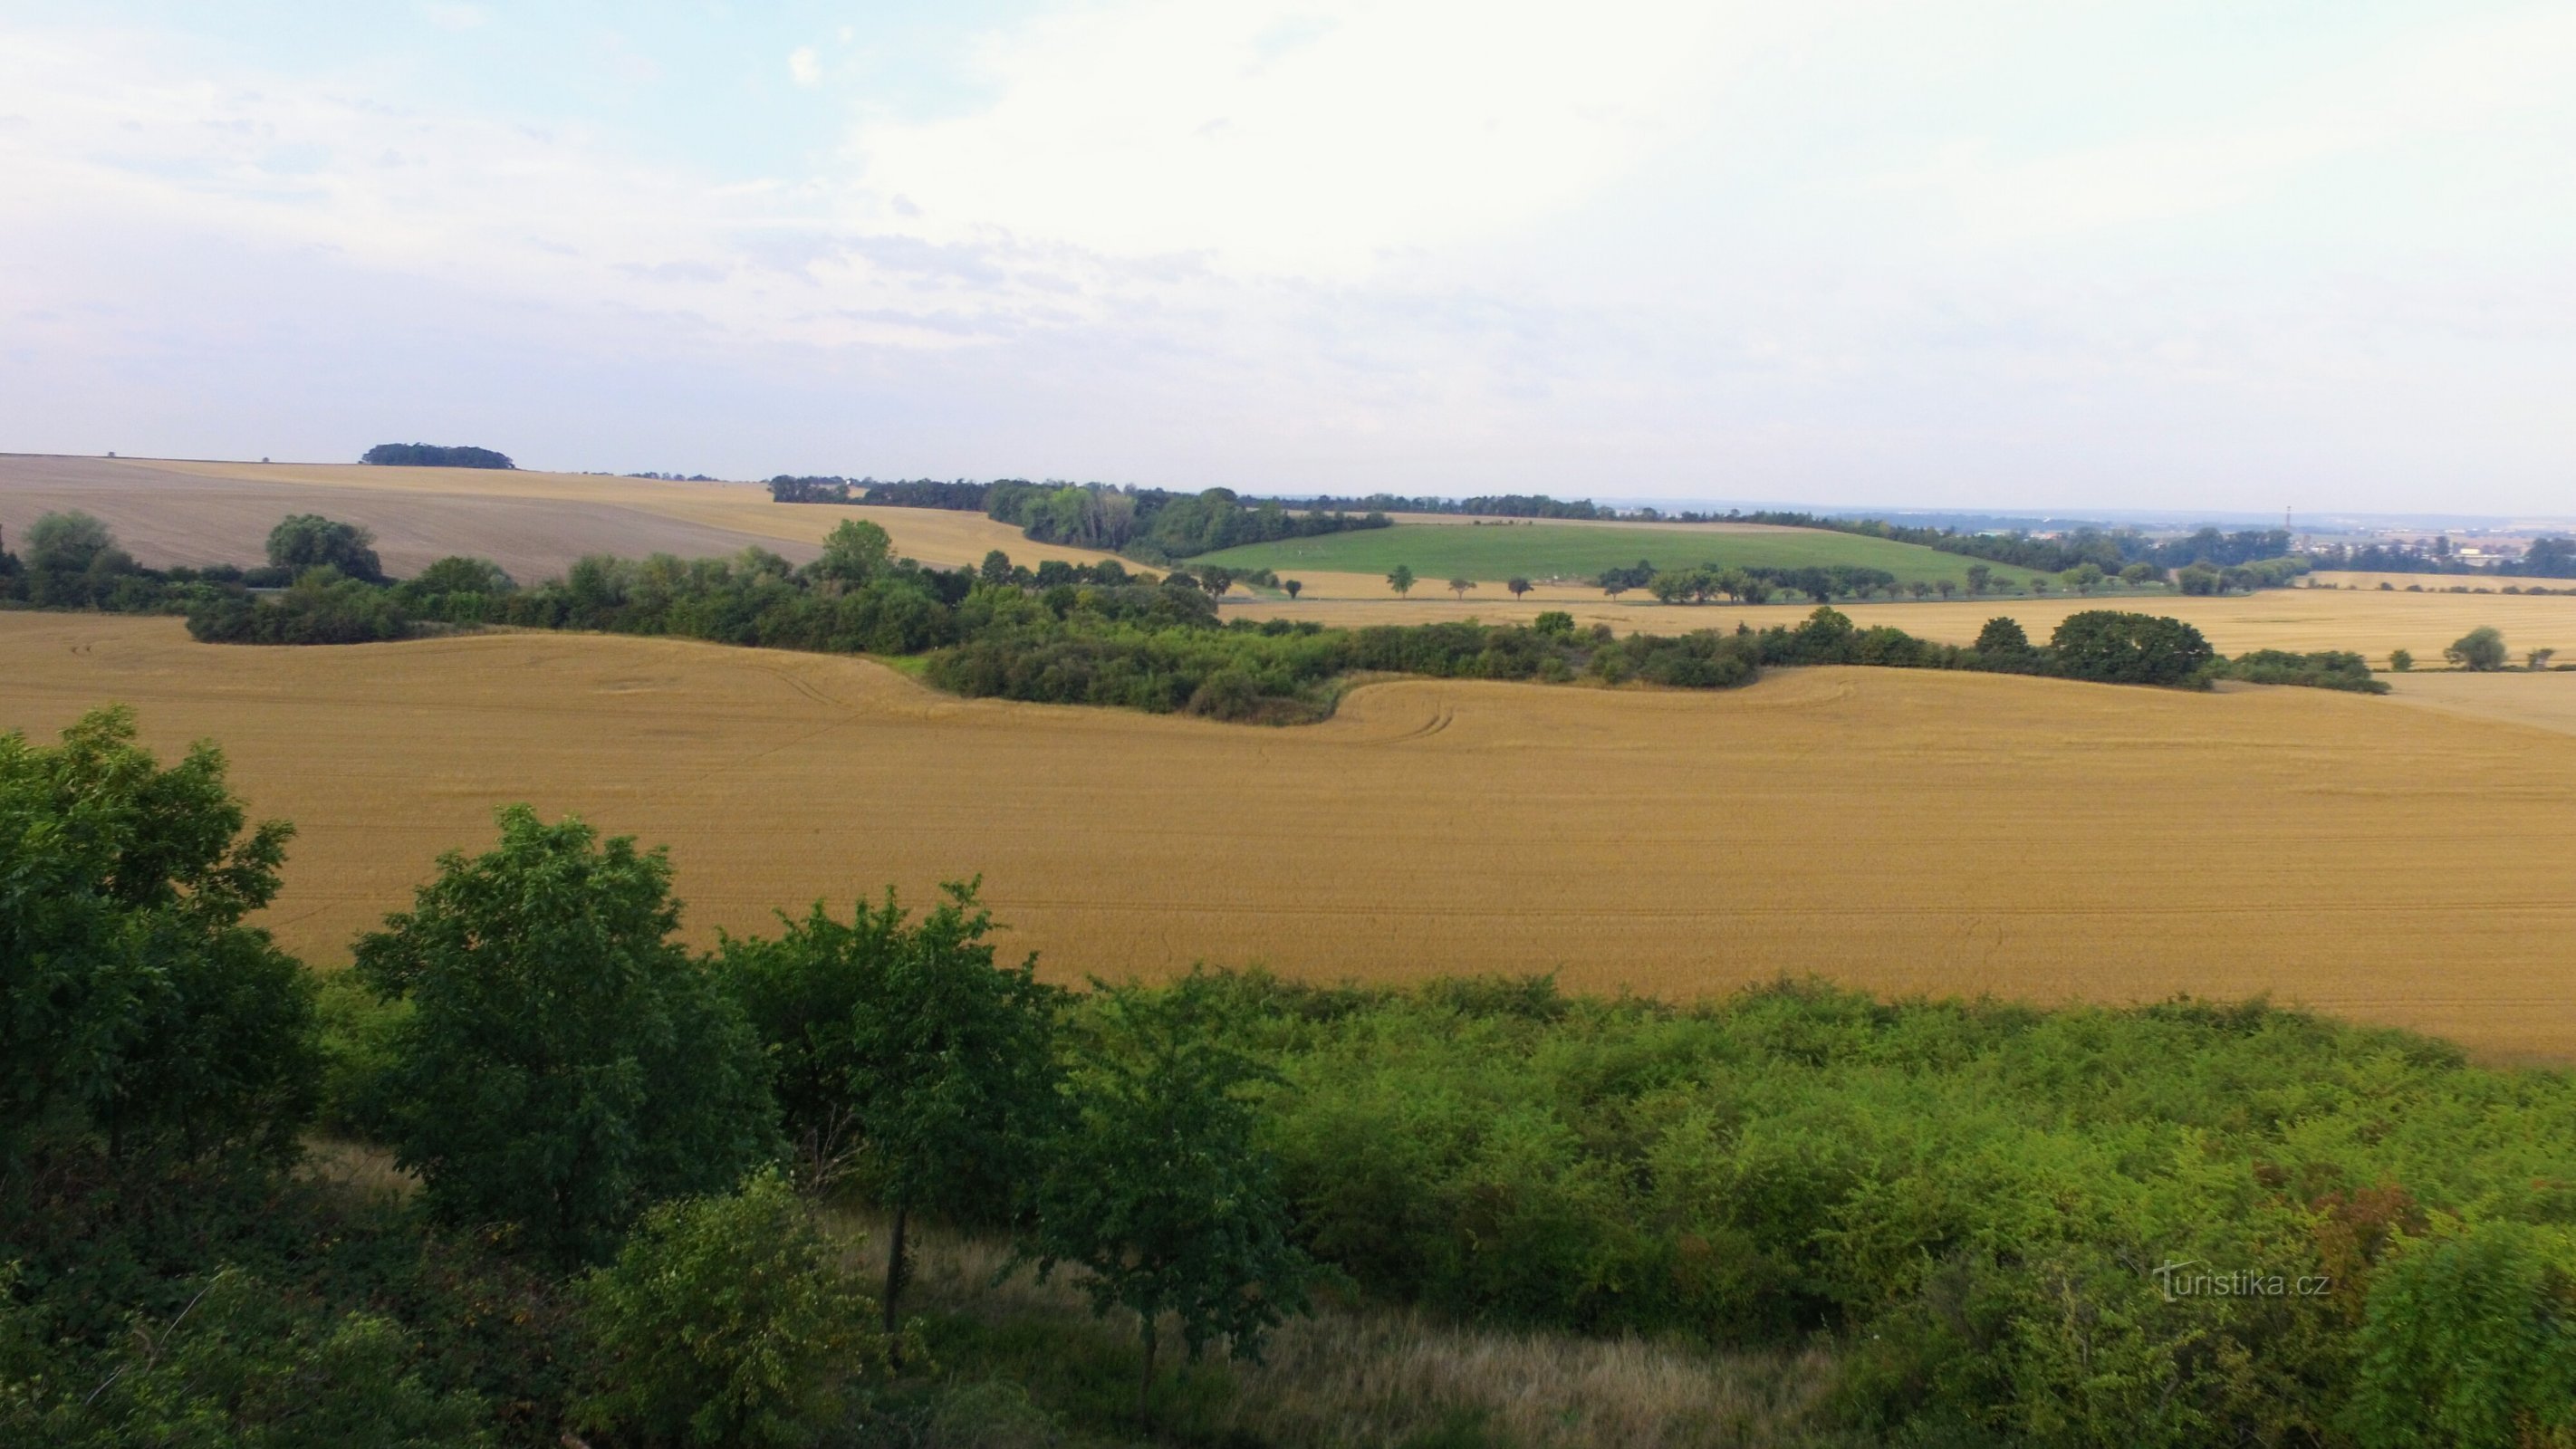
1161 1189
566 1063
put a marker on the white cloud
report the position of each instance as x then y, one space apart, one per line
1842 251
1300 138
451 16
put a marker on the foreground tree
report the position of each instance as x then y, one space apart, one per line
565 1063
1401 580
1517 585
2481 649
908 1053
1294 587
134 1002
1160 1190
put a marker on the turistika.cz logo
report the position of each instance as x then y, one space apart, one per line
2180 1283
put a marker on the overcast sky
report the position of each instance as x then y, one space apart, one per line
2233 255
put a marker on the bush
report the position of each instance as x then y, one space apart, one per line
2470 1339
2481 649
728 1321
322 607
2324 669
244 1364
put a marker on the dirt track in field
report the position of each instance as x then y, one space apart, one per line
1893 830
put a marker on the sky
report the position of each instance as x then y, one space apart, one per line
1973 254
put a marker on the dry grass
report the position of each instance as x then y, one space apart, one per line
1356 1374
1895 831
533 524
357 1167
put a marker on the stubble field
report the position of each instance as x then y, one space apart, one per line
1892 830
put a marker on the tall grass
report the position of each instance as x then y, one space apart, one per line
1353 1374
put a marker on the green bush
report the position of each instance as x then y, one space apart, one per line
2471 1340
729 1321
246 1365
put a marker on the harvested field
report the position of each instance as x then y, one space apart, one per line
1892 830
169 512
2542 701
2299 619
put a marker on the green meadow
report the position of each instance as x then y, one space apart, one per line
1490 553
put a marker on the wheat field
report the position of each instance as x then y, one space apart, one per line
1894 830
2367 623
169 512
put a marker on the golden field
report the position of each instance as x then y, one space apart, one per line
2367 623
1892 830
168 512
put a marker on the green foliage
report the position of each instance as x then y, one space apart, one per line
302 542
2113 647
2003 637
245 1366
322 607
433 455
71 543
2401 660
728 1321
2481 649
1146 523
2471 1340
1159 1189
1400 579
909 1049
1973 1197
565 1063
2324 669
853 552
134 1002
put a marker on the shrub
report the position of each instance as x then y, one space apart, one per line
2470 1339
728 1321
244 1364
2481 649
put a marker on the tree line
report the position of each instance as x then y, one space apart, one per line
1984 1222
1098 634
